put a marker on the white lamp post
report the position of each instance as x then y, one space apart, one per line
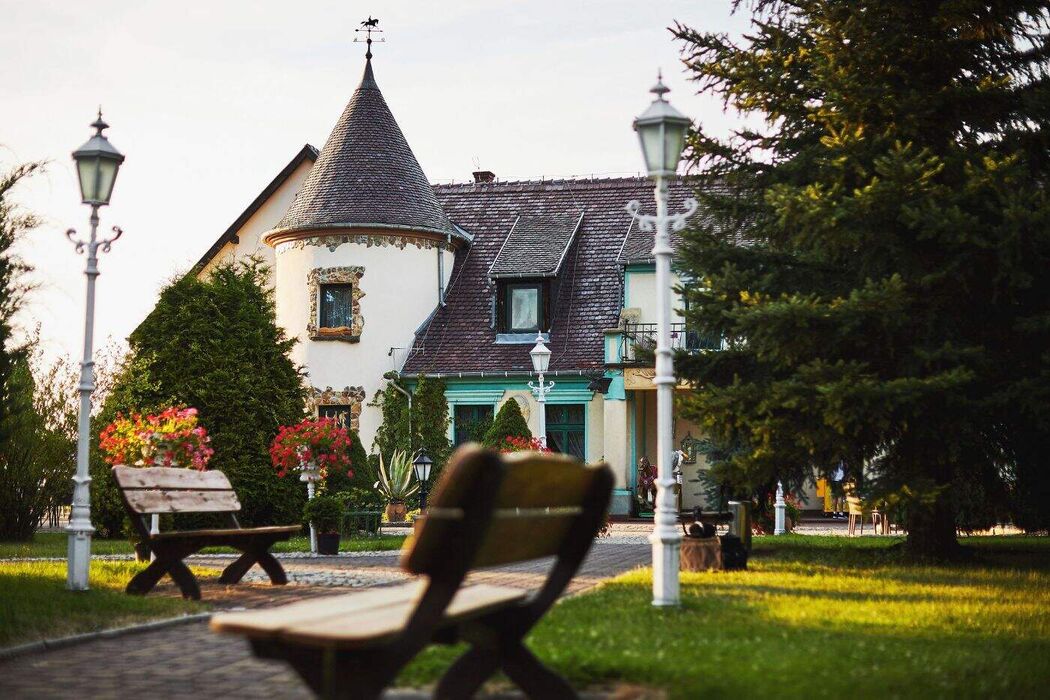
661 131
541 360
97 165
780 509
421 466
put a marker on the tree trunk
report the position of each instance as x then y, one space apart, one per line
931 530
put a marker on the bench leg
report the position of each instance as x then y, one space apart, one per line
273 568
467 674
532 676
144 581
185 579
236 571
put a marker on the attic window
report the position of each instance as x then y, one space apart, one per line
523 307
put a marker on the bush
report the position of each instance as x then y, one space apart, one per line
364 475
509 423
231 362
325 512
36 461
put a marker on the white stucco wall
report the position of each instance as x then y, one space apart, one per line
400 291
640 293
263 220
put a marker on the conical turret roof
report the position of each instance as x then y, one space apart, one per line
366 176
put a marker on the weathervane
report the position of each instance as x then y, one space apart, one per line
369 26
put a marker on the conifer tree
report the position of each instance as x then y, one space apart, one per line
876 249
215 345
508 423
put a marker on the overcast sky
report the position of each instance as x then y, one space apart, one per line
208 100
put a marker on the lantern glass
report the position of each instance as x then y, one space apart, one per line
661 132
97 175
421 465
541 356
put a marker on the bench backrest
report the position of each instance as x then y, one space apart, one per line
148 490
528 505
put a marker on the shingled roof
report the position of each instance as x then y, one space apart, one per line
459 336
366 175
537 244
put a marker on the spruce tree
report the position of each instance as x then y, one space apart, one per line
876 247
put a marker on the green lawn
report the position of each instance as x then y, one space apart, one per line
53 544
814 617
35 605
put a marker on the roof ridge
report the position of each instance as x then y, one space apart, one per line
592 182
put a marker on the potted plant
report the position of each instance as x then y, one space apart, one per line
325 514
172 438
396 484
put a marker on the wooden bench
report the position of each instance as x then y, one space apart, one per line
149 490
487 510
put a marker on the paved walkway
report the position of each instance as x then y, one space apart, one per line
188 661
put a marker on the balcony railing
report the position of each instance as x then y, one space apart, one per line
639 339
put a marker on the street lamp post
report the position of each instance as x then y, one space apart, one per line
421 466
97 165
541 360
661 131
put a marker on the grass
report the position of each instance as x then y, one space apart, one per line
53 544
35 605
813 617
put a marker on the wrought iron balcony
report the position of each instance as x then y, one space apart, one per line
639 340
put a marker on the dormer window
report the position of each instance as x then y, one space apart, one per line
523 307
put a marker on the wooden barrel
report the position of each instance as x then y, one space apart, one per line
701 554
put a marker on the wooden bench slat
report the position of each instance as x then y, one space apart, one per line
154 501
261 624
228 532
364 628
522 539
170 478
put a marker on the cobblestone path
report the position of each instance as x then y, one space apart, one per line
188 661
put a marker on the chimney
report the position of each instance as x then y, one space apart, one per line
484 176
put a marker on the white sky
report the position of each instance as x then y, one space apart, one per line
210 99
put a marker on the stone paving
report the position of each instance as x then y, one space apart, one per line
188 661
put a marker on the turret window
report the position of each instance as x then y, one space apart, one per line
335 303
337 306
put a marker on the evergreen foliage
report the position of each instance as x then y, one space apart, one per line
363 473
39 458
214 344
14 224
430 422
508 423
891 310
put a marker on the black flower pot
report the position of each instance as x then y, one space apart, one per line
328 543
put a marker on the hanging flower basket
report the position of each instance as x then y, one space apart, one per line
311 447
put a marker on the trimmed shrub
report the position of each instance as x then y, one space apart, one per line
509 423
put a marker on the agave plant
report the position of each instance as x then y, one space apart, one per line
395 481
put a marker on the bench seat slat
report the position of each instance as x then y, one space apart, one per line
187 501
359 619
170 478
229 533
263 624
367 628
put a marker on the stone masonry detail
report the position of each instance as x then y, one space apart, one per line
335 275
